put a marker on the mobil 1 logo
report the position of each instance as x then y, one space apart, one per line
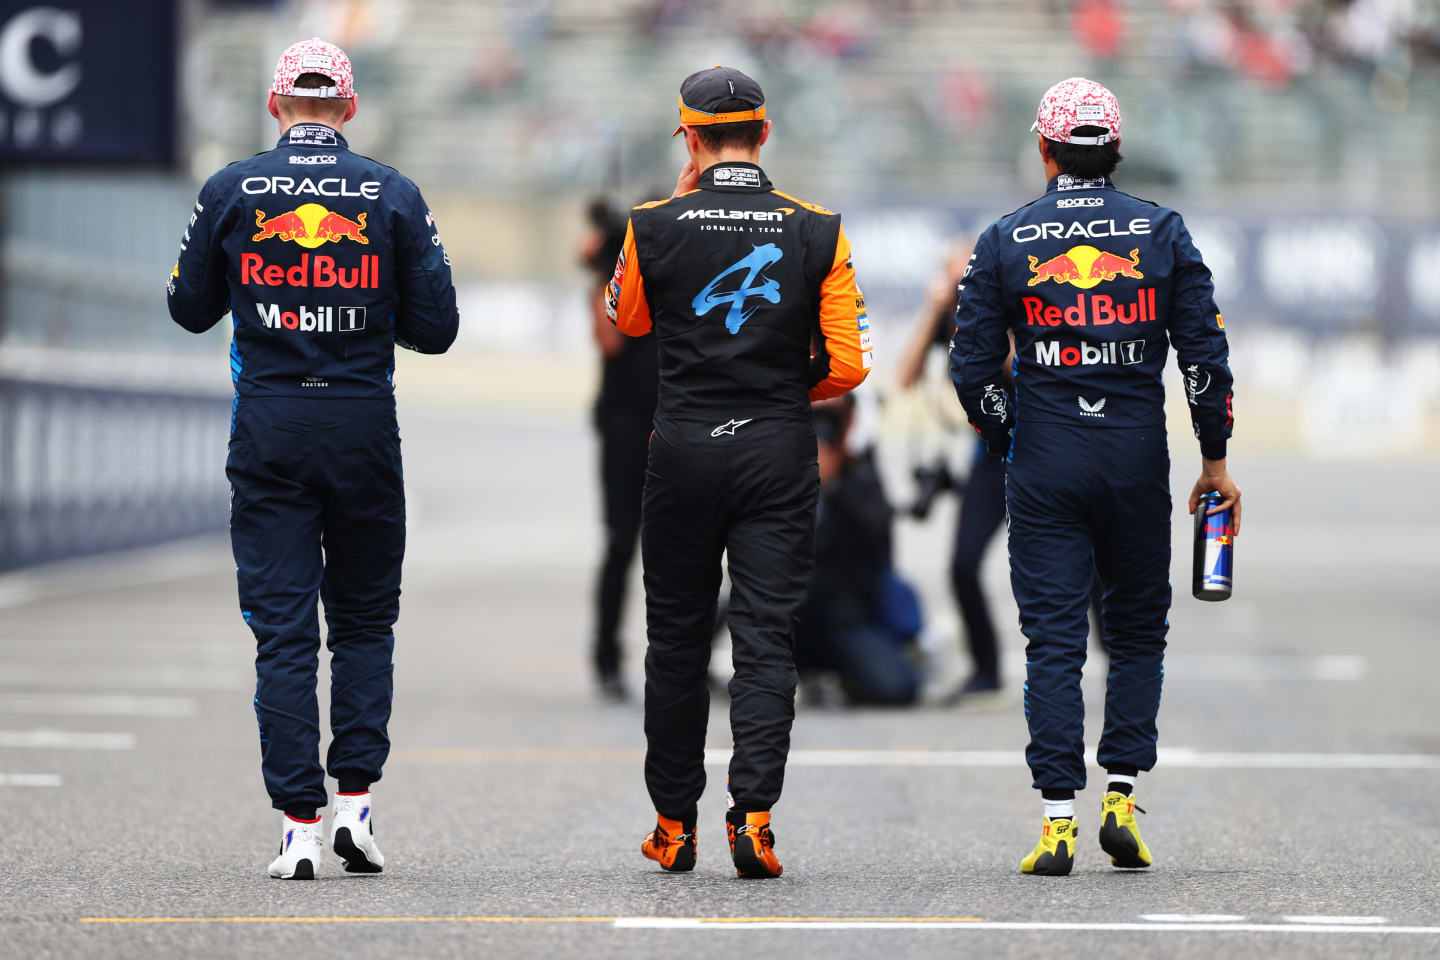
312 319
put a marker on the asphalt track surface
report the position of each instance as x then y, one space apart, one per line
1294 812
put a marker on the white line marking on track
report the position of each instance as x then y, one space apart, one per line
1177 757
1192 917
1168 756
691 923
165 676
1348 921
66 740
96 705
30 780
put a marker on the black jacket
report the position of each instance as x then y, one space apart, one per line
737 280
1095 285
325 260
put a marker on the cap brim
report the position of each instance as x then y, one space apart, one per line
678 128
1035 126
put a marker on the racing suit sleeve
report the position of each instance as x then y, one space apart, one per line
980 345
843 357
625 302
198 293
1198 332
426 318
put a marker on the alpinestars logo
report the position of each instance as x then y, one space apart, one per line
728 428
755 284
1088 409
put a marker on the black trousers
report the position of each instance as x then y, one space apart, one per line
1085 502
749 494
982 510
624 451
318 509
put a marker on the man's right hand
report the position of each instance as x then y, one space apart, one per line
689 177
1214 476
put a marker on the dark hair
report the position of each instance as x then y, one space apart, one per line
1085 162
745 134
319 108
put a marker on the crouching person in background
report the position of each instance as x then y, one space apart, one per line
860 618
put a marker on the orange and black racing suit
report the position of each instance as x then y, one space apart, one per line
752 298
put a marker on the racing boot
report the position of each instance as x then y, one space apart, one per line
1119 834
1054 855
752 845
300 846
352 834
671 844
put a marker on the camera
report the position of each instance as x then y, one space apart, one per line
931 480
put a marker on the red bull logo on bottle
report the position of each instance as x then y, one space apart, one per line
1214 569
310 225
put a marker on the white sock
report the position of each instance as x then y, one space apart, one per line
1121 778
1055 809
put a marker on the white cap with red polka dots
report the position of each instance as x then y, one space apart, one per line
1078 102
314 56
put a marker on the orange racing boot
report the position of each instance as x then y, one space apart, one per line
671 844
752 845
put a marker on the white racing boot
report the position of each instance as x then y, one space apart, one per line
352 834
300 847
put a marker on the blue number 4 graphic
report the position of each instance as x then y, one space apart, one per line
754 265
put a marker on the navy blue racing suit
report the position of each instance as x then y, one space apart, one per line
325 260
1094 285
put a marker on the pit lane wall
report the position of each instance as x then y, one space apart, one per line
87 469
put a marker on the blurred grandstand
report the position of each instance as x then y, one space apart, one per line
1299 137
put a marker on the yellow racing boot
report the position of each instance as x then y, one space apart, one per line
1054 855
1119 834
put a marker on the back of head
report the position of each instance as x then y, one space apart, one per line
326 110
741 135
1085 162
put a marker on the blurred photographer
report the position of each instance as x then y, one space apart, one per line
859 618
624 410
982 504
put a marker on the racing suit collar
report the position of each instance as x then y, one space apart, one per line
311 134
1065 181
734 176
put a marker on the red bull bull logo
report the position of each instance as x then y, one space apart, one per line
1085 267
310 225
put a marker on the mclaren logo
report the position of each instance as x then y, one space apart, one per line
780 213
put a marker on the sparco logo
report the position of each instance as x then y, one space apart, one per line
777 214
312 319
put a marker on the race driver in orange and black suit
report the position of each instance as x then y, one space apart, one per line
737 281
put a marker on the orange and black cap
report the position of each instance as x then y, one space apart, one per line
704 90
